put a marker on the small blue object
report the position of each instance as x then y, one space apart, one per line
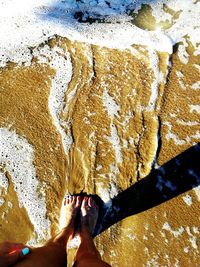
25 251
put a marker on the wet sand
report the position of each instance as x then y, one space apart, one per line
101 120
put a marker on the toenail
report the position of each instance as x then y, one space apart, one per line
67 196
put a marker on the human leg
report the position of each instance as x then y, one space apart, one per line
53 254
87 254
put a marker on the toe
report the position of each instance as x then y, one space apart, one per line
78 201
91 202
69 200
73 201
84 203
66 200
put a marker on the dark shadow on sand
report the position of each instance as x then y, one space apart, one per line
175 177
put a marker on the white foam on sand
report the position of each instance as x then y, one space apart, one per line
33 22
3 182
16 154
195 108
115 141
110 104
180 76
153 58
61 62
187 199
3 186
175 232
196 85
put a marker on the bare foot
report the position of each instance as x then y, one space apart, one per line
89 215
69 212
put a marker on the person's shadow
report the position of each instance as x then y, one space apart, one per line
175 177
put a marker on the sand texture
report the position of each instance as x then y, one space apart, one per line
116 116
118 138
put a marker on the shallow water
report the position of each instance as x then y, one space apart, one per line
95 98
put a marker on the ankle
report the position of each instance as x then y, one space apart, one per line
62 237
84 233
